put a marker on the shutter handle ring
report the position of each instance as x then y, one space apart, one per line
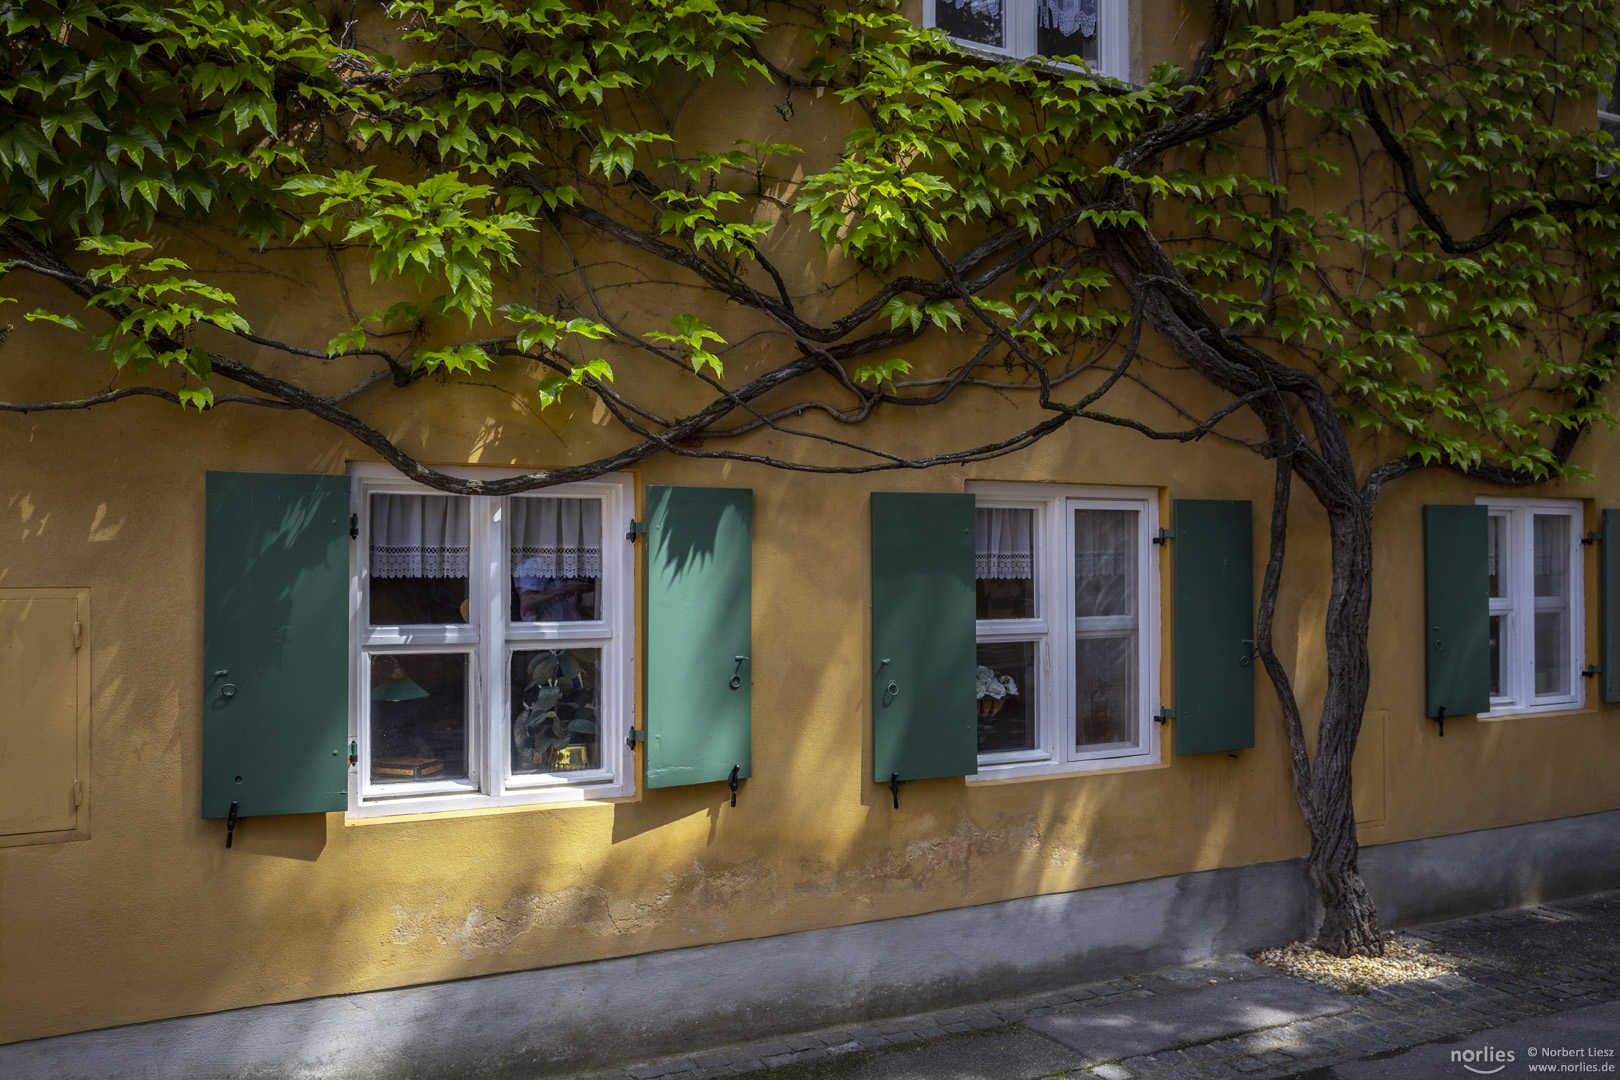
228 690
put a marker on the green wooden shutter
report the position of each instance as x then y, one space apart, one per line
1457 610
1610 604
275 644
1214 625
699 622
924 718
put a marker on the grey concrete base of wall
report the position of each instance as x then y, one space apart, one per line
557 1021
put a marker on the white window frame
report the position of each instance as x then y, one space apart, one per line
488 639
1054 627
1517 642
1113 34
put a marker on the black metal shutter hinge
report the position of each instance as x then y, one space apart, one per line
636 528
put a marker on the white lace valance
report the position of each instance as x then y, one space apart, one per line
1070 17
1005 546
555 538
419 536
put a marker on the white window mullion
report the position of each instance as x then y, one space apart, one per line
1059 726
489 603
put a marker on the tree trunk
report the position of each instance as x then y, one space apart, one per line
1350 918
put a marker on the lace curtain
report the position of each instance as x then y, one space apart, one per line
556 538
1005 545
1069 17
419 536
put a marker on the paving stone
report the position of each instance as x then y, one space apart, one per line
1112 1072
1194 1016
747 1065
769 1049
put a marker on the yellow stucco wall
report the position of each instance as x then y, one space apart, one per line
151 917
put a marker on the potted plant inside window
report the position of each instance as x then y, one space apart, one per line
993 690
556 722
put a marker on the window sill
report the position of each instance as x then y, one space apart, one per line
432 808
1555 712
1022 773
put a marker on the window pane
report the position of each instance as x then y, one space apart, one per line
1495 552
1552 653
1552 556
1104 562
418 717
1066 28
1004 564
1551 572
1496 656
556 699
1105 692
1006 693
418 559
555 552
972 20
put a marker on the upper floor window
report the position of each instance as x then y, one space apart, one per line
1096 30
1533 563
1067 628
491 646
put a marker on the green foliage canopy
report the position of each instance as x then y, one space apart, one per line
1462 293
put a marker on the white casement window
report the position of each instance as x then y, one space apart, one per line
492 645
1097 30
1533 553
1067 626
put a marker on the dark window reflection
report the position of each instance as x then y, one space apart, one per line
418 717
1006 694
1105 692
979 21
